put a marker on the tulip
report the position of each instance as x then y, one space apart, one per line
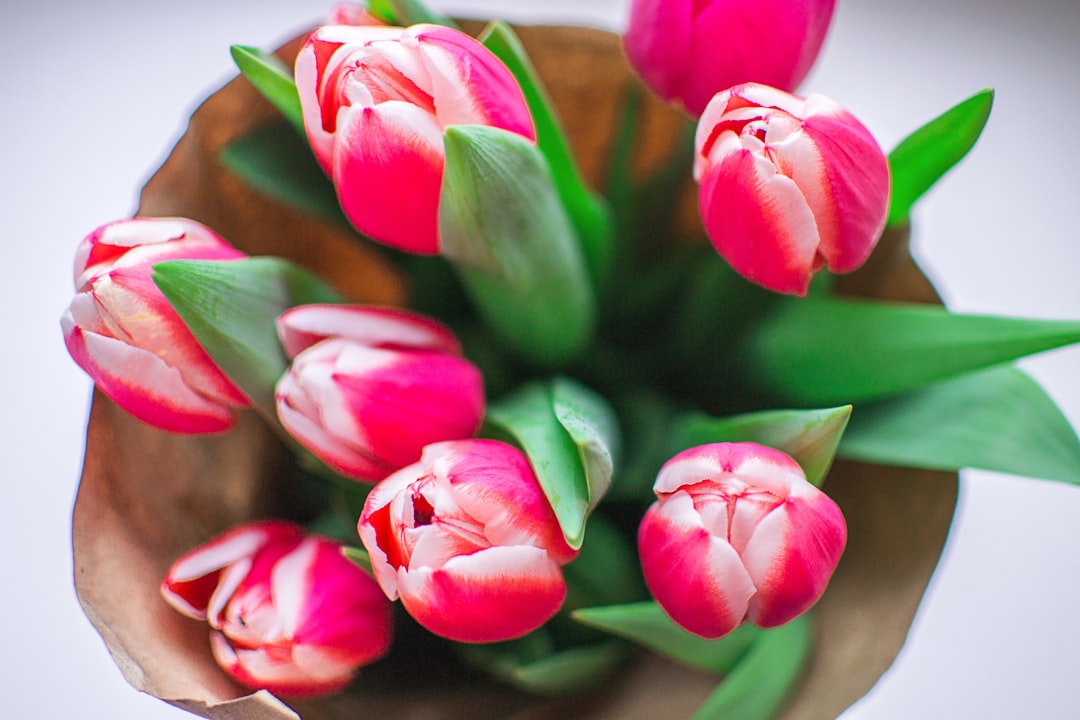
737 534
375 103
689 50
122 331
288 612
351 13
468 542
788 185
369 387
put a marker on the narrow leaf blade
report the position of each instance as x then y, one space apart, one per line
503 227
273 79
923 157
811 437
528 416
756 687
231 307
833 352
592 426
588 211
414 12
646 624
998 419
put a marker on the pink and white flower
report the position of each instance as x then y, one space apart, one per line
738 534
288 612
369 387
468 542
788 185
689 50
376 101
122 331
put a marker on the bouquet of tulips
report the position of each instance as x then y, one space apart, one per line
584 433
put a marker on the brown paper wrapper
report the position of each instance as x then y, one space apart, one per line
146 496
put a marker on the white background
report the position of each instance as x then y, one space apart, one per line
93 95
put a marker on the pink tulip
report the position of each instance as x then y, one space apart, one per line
788 185
468 542
369 387
351 13
737 534
689 50
122 331
376 101
288 612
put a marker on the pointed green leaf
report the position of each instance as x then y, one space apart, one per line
647 625
834 352
277 162
923 157
592 426
809 436
231 307
383 10
756 688
997 419
588 211
273 79
414 12
507 234
534 417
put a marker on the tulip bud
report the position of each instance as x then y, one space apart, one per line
369 387
689 50
124 333
788 185
376 101
737 534
288 612
468 542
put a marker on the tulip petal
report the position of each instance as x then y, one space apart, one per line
303 326
697 578
387 168
758 220
497 594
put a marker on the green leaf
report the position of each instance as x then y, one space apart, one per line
231 306
647 625
564 429
357 556
592 426
383 10
756 688
507 234
277 162
532 665
413 12
997 419
273 79
588 211
809 436
923 157
833 352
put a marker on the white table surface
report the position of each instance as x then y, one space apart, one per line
94 94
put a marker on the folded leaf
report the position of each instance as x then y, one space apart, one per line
231 307
923 157
757 686
997 419
273 79
567 432
834 352
588 211
503 227
277 162
647 625
809 436
411 12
